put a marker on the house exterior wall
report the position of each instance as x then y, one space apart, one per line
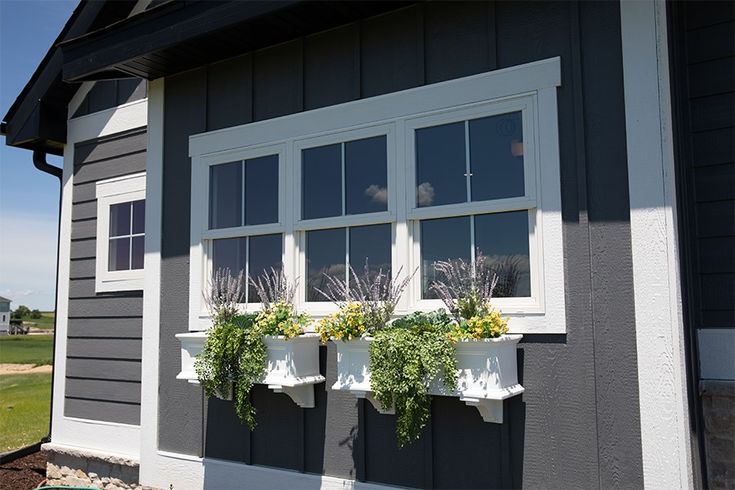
4 316
104 330
578 423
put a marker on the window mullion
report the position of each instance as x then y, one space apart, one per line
467 166
247 269
344 180
347 257
472 243
130 239
242 195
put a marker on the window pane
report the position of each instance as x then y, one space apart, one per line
366 176
496 156
225 195
119 254
138 252
321 175
440 165
120 219
325 254
503 239
261 190
229 253
139 216
265 252
371 245
442 239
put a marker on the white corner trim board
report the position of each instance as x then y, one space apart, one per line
153 470
658 316
529 90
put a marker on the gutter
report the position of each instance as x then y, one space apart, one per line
39 161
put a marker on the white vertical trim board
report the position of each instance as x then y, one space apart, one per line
658 314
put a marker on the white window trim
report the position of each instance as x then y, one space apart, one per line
108 192
530 87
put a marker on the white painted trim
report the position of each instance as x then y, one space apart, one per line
110 121
154 470
190 472
530 88
108 192
667 461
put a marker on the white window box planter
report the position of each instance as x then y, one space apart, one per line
293 365
486 373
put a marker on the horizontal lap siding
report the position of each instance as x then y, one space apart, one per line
104 330
577 424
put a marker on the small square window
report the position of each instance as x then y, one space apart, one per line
127 229
120 233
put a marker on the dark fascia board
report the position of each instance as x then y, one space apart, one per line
161 27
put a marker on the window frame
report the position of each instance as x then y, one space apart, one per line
526 105
108 192
529 88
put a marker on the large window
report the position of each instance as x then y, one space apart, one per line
398 182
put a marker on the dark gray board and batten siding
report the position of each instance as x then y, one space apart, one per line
578 423
104 330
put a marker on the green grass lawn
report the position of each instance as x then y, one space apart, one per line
26 349
46 322
24 409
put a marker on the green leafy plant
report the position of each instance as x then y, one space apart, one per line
405 360
234 351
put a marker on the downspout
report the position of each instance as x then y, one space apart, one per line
39 161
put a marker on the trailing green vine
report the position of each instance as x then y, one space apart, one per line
235 356
405 359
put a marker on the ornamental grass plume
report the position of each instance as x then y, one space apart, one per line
376 292
273 287
223 295
467 288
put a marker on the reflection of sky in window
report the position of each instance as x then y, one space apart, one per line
225 195
366 176
496 160
371 245
442 239
265 252
321 182
496 156
325 254
440 165
261 190
503 239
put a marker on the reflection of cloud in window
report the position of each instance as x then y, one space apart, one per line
425 194
377 193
